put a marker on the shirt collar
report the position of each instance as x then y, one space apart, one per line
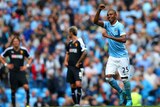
115 23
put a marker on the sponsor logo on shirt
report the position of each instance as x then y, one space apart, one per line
16 56
73 50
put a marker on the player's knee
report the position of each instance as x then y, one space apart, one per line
108 78
78 84
73 85
13 90
26 87
13 93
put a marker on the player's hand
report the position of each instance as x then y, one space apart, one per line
101 6
104 34
10 66
78 65
23 68
65 63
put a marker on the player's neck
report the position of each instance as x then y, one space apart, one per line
74 39
113 22
16 48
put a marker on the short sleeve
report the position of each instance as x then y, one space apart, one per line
122 30
105 24
83 47
5 53
26 53
67 47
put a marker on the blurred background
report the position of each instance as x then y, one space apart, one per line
42 26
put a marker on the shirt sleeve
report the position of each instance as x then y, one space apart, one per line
105 24
122 30
82 45
26 53
67 47
5 53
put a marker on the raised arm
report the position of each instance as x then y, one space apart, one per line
96 18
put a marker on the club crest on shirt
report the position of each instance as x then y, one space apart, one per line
76 44
116 30
21 51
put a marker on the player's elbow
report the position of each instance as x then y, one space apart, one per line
124 41
95 22
85 52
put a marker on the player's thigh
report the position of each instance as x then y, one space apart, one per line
78 74
111 67
22 79
70 75
13 80
123 67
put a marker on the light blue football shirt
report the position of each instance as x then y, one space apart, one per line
116 49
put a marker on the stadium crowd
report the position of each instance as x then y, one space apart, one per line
42 26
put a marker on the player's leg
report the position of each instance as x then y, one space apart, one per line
123 71
13 97
70 79
14 86
22 80
127 91
26 88
78 77
111 68
73 89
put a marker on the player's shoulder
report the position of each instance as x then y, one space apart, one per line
69 42
106 22
9 48
120 24
80 40
23 48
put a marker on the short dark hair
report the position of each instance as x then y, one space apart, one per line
114 11
73 29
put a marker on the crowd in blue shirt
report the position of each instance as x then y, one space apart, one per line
43 25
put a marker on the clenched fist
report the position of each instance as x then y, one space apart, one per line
101 6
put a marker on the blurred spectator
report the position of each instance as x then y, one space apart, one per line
136 97
40 103
3 97
53 101
38 70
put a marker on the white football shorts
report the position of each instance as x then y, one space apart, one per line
118 64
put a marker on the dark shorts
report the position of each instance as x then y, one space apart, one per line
74 74
17 79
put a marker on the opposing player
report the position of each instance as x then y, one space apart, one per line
17 74
118 55
75 55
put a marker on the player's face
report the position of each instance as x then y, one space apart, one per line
70 35
111 16
16 42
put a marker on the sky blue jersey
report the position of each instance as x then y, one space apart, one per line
116 49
